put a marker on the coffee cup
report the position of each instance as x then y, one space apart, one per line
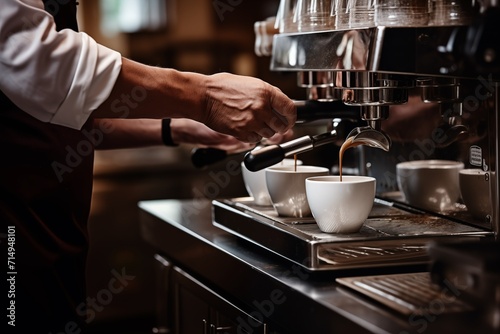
475 191
255 182
340 206
430 184
287 188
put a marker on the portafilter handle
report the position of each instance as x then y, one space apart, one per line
270 155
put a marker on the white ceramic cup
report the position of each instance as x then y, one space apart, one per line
340 206
287 188
430 184
255 182
475 191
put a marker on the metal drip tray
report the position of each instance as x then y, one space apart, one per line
361 253
409 294
391 236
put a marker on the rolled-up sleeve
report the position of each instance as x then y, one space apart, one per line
58 77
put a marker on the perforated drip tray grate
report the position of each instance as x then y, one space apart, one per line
408 293
390 236
372 252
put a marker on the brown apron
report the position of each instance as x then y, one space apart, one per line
45 192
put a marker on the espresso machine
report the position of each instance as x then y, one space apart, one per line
438 59
442 51
421 81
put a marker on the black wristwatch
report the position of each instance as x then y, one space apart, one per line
166 133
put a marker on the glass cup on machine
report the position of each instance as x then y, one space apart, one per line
408 13
341 9
354 13
314 15
361 13
452 12
285 22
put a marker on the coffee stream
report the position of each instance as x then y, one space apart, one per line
349 142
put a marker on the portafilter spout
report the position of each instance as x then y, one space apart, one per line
269 155
366 135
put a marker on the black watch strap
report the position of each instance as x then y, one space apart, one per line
166 133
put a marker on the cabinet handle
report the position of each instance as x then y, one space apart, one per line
215 330
204 326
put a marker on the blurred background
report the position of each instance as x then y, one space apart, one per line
205 36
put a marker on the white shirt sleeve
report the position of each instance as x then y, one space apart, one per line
57 77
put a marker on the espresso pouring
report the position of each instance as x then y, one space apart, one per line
348 143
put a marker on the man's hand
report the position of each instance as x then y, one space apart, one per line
247 108
187 131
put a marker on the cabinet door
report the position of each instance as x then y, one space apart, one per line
198 309
163 309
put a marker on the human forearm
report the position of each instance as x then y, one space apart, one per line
116 133
244 107
128 133
143 91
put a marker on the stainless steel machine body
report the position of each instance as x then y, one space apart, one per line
435 91
387 73
453 67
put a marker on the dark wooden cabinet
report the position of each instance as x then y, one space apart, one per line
185 305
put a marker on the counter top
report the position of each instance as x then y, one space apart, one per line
312 302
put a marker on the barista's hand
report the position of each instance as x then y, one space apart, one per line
129 133
246 108
240 106
187 131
